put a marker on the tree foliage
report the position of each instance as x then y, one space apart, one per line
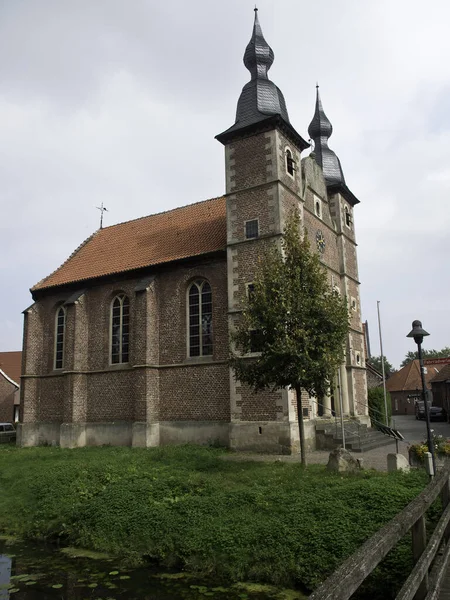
377 409
375 362
410 356
293 318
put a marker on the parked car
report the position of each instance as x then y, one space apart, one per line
437 413
7 433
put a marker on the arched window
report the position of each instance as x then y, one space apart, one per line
200 319
120 329
60 330
290 163
348 217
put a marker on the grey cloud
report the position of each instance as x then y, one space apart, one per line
119 102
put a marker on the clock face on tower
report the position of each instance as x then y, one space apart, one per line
320 240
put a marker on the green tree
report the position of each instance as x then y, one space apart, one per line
375 361
294 320
377 410
410 356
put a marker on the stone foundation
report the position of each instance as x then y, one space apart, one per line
271 437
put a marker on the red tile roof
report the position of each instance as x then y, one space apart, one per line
173 235
11 365
408 378
443 374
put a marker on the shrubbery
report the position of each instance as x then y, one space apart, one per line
377 409
189 508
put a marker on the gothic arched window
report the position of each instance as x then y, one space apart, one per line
60 330
120 329
200 319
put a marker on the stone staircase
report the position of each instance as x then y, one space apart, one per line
358 438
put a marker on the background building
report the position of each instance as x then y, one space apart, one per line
405 385
10 368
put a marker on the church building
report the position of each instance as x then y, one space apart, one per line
127 342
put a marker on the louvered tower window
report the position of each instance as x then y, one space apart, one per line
290 163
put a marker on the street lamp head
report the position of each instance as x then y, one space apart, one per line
417 332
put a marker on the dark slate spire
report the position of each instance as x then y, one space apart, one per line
258 56
320 130
260 98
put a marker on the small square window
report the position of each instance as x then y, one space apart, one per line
251 229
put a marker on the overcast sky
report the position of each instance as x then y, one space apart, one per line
119 102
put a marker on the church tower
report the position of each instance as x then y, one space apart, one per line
265 180
341 202
263 185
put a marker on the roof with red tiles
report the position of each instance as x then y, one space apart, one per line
408 378
177 234
11 365
443 375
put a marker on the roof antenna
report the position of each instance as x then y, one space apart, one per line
102 209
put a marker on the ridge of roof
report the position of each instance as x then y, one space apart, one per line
176 234
409 377
163 212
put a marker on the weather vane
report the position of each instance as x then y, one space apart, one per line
102 209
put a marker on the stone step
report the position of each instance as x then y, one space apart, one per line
374 443
358 438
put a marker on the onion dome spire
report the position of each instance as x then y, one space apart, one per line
319 131
258 56
260 99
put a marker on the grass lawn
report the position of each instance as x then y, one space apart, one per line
188 508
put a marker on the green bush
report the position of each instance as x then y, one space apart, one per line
377 410
187 507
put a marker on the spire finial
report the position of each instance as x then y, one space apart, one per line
258 56
260 98
320 130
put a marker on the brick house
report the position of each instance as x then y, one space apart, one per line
10 368
405 385
440 386
127 342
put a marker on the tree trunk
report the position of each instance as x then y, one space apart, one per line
301 424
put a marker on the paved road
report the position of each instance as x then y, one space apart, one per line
415 431
412 430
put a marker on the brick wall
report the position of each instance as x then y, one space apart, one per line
195 393
7 390
89 389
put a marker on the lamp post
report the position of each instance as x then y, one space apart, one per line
418 334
